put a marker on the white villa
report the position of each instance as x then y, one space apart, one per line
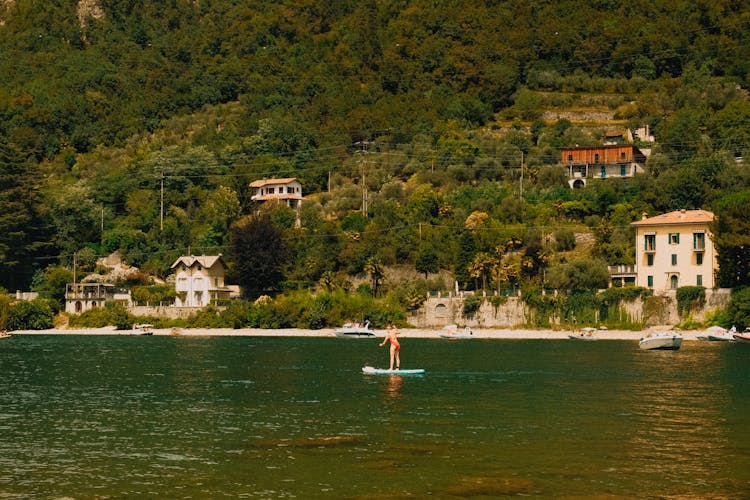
287 190
675 249
199 280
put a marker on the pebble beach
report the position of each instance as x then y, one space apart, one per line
478 333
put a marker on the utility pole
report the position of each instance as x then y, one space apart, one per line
75 288
520 190
362 152
161 202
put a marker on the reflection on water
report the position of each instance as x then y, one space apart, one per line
275 418
393 386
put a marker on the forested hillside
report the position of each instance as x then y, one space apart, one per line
137 126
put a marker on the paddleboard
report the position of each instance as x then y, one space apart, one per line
384 371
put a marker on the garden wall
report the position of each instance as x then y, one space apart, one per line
659 309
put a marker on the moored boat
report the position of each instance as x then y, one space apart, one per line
719 334
583 334
142 329
451 332
4 335
665 341
743 337
355 330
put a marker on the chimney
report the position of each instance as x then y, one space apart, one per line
644 216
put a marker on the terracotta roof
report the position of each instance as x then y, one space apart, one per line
207 261
266 182
676 217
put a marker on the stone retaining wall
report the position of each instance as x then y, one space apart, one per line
660 309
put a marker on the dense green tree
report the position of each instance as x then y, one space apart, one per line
259 252
731 232
427 261
738 311
24 235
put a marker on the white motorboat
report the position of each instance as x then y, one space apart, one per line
451 332
355 330
584 334
4 335
719 334
666 341
743 337
143 329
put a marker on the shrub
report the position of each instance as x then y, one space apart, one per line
472 303
738 311
690 298
112 314
31 315
5 302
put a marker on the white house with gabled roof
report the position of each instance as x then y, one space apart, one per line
288 190
199 280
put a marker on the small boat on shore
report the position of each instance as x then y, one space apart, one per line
743 337
719 334
355 330
143 329
4 335
664 341
584 334
451 332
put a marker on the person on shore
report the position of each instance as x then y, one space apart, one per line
392 337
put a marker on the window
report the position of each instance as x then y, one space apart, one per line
674 282
622 156
649 241
649 259
674 259
650 281
570 158
699 258
699 241
699 280
674 238
596 158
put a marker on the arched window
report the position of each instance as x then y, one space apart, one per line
441 311
673 282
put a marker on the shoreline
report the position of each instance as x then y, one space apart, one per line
483 333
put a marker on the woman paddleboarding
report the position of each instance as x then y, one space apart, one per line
392 337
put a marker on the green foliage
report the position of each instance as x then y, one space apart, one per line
616 295
472 303
690 298
589 274
112 314
260 254
731 233
738 311
51 283
565 239
154 294
31 315
5 306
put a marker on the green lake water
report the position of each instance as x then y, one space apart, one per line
258 417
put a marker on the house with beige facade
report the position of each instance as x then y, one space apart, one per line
674 250
287 191
199 280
